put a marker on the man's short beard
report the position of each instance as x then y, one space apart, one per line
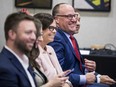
21 47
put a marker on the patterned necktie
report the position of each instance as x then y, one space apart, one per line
76 50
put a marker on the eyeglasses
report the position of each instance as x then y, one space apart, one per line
70 16
52 28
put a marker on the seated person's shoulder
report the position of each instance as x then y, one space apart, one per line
49 47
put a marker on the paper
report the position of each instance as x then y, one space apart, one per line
85 52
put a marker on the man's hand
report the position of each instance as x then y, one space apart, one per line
106 80
90 65
90 78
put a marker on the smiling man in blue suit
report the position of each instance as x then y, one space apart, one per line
20 34
66 48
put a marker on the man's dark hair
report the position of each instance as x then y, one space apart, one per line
13 20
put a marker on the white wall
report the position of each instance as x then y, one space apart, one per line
96 27
6 7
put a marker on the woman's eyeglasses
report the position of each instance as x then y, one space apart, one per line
52 28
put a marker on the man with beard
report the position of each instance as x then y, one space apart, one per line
20 34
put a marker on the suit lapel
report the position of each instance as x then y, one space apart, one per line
67 41
15 62
30 69
69 44
18 65
53 59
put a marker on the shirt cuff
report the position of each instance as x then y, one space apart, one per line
98 78
82 79
69 83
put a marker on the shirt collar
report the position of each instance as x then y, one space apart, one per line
24 61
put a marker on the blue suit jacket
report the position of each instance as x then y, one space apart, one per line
67 56
12 74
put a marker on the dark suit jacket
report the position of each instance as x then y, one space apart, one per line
67 56
12 74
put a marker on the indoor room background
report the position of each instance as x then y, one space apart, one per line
96 27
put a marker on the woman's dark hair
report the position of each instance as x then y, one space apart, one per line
45 18
33 54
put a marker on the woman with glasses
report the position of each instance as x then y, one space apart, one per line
46 60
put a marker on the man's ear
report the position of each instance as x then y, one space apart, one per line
57 20
12 34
